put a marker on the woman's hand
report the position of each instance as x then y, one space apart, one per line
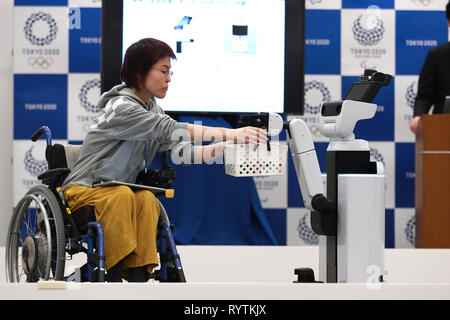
247 135
414 125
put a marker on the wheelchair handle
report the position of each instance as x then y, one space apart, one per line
39 132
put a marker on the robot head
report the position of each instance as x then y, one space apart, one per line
340 117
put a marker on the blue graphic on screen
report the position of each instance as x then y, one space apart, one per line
381 126
35 105
185 20
416 33
322 42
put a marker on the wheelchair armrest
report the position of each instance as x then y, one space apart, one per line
54 175
157 178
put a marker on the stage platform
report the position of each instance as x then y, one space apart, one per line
258 273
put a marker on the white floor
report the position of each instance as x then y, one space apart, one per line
260 272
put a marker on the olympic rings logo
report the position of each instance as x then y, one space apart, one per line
40 63
422 2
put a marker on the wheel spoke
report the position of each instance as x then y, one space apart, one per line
26 222
21 273
38 270
37 214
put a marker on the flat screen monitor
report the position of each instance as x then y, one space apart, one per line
232 56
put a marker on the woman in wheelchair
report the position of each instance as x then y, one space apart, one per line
122 141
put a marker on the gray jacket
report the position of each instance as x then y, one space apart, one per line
125 137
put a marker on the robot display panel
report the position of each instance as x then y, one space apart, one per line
367 88
360 91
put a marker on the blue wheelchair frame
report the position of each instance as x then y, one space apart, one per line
170 263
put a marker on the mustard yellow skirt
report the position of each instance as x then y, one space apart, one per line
129 220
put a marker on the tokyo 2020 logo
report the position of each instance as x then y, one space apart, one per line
313 107
410 94
377 156
410 230
38 40
83 95
370 32
306 233
33 166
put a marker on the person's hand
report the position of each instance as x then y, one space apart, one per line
247 135
414 125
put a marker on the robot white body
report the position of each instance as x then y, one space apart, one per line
358 246
350 216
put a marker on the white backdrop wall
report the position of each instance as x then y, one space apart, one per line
53 52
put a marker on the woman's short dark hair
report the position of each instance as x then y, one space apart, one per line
447 11
140 57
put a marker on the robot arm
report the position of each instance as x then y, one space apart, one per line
305 161
303 155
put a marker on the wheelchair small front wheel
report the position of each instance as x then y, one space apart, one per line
35 248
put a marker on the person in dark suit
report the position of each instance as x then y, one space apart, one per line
434 81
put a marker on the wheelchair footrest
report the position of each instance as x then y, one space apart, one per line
94 258
81 274
172 275
168 257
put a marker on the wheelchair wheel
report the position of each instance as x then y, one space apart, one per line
35 248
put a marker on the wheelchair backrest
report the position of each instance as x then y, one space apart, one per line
62 155
72 154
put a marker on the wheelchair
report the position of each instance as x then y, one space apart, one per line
44 233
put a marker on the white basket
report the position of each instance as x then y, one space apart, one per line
247 160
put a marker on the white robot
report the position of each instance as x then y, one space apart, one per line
349 216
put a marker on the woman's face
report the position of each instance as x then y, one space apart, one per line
158 77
